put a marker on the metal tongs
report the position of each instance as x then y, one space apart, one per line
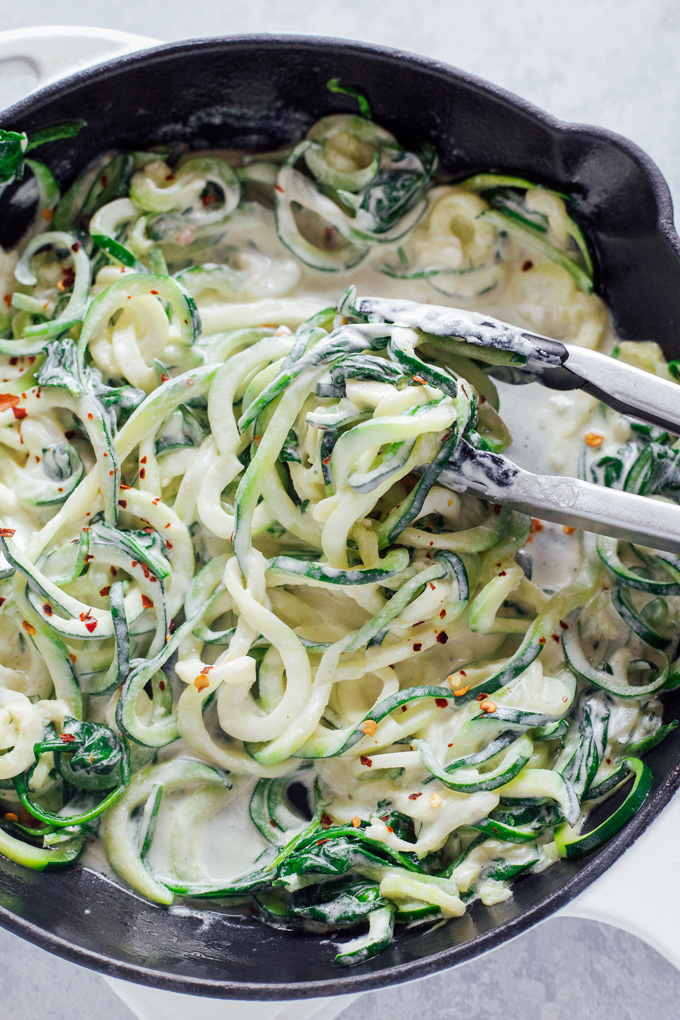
569 501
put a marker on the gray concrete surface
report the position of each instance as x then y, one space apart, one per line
613 64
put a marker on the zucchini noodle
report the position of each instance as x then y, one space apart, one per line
248 640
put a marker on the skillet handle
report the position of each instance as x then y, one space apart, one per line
640 892
50 52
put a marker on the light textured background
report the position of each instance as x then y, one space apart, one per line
611 63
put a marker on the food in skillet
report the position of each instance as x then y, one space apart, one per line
248 653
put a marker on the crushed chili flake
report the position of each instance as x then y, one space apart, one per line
76 246
7 532
541 641
67 738
356 821
593 439
527 265
8 301
47 609
365 760
320 842
488 706
536 525
72 657
154 292
441 702
326 820
502 573
8 400
460 691
414 796
417 646
442 637
104 591
11 817
122 503
2 600
567 530
369 727
555 638
91 625
201 682
146 602
28 627
442 614
482 697
113 571
19 412
563 625
161 685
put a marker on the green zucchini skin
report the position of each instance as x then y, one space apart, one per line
195 481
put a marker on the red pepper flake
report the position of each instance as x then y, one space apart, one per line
142 460
460 691
161 685
496 509
326 820
320 842
104 591
142 473
441 702
432 585
14 361
482 697
462 672
47 609
19 412
67 738
2 600
154 292
389 828
541 641
201 682
11 817
555 638
164 377
567 530
442 614
418 379
91 625
122 503
76 246
8 301
279 189
502 573
414 796
208 199
442 637
8 400
7 532
28 627
146 602
72 657
113 571
365 760
536 525
206 670
417 646
526 266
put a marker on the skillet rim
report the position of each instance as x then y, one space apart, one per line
353 981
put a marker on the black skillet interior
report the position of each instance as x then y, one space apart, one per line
259 92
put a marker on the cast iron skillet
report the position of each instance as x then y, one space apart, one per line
260 92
